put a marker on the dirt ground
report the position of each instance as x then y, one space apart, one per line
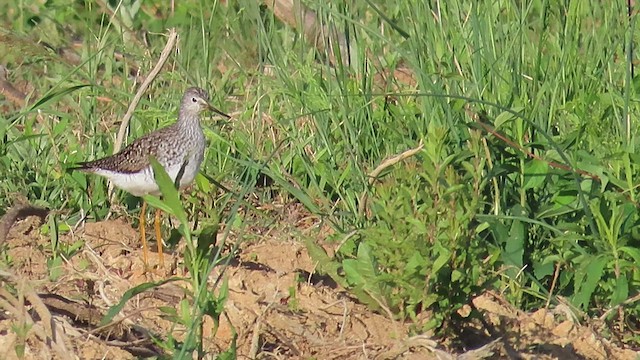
275 315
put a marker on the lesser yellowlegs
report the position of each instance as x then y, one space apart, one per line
179 148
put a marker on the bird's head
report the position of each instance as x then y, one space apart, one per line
196 100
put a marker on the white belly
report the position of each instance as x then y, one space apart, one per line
143 182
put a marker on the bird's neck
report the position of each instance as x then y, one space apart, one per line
186 120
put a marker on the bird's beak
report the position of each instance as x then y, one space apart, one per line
211 108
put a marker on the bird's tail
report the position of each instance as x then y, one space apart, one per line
81 166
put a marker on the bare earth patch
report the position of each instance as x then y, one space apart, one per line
278 310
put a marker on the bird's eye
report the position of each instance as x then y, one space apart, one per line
194 100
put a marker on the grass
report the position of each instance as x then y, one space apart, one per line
527 112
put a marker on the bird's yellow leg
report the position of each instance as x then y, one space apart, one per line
159 239
143 233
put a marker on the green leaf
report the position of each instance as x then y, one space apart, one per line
634 253
54 234
230 354
55 268
223 295
185 313
325 263
53 95
157 203
169 191
115 309
535 174
203 183
208 237
354 273
415 263
592 274
514 246
498 229
621 291
168 310
544 268
444 255
506 116
361 273
482 227
456 275
419 226
366 262
299 194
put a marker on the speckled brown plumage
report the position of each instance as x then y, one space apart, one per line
179 148
166 145
135 157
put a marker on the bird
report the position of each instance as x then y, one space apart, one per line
179 148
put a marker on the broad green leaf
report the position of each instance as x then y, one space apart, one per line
514 247
551 210
362 270
352 273
593 272
621 291
362 292
535 174
366 261
482 227
55 268
361 273
415 263
505 117
633 252
542 269
419 226
444 255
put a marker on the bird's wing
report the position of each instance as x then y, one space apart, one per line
131 159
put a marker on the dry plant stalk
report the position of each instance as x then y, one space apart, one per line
168 48
47 329
388 162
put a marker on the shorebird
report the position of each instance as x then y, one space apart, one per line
179 148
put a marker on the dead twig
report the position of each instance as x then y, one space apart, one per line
388 162
47 330
406 345
257 329
173 36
